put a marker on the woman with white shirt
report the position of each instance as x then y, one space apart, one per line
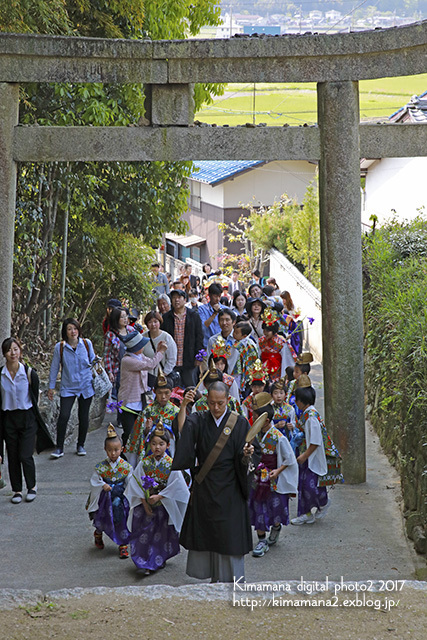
153 322
74 355
20 421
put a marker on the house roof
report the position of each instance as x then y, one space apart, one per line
214 172
185 241
414 111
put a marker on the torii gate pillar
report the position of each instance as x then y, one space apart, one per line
341 263
9 99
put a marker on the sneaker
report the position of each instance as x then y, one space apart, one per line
321 513
260 549
99 544
58 453
16 498
304 519
123 551
31 495
274 534
81 451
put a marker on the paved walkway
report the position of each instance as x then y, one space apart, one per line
48 544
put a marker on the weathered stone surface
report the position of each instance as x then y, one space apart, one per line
289 58
29 58
9 96
205 143
341 266
13 598
169 143
172 104
420 540
412 521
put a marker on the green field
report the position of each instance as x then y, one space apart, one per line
277 104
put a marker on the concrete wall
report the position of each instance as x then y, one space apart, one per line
205 223
305 297
395 183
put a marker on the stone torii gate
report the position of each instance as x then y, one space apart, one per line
169 69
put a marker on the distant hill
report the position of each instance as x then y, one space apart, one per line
416 8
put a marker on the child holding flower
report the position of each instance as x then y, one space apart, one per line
275 479
158 499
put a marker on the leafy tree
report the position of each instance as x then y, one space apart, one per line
286 226
303 242
137 198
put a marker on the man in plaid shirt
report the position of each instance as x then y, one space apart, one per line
185 327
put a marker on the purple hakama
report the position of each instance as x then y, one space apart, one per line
309 494
267 508
153 540
112 521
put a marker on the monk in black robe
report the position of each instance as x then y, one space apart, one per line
216 528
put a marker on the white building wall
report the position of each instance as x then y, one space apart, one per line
395 183
305 297
213 194
267 183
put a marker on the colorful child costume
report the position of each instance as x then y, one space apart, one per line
110 509
247 407
286 412
248 353
135 448
290 397
268 499
155 539
277 354
323 466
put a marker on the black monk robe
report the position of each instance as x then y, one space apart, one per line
217 517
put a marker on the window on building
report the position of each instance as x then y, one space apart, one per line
195 254
195 195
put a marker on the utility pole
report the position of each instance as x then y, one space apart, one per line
253 105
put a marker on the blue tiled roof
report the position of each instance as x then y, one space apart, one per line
416 109
213 172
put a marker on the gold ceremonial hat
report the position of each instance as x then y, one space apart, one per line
161 379
304 358
280 384
213 371
303 381
220 348
261 400
269 316
257 372
111 432
159 430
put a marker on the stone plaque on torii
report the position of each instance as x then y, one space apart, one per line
169 69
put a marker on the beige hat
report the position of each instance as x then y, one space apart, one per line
303 381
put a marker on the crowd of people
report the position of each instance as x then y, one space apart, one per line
215 422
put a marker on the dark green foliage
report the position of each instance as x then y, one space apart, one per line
116 210
395 270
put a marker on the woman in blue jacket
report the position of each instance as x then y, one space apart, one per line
74 355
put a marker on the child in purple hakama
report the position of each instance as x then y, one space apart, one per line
319 460
158 500
107 506
275 479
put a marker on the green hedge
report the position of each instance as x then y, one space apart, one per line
395 302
